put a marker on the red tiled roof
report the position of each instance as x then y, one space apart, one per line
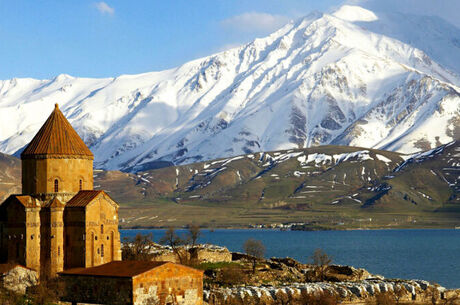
83 198
116 269
56 137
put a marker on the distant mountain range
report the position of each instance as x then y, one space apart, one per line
337 181
354 77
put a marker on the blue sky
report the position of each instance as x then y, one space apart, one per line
42 39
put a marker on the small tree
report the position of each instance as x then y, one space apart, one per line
232 275
175 241
254 248
139 249
194 232
321 260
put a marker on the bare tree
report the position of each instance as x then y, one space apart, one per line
321 260
175 241
140 248
254 248
194 232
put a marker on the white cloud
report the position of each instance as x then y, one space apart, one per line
104 8
446 9
255 22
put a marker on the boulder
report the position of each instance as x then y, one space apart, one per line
17 278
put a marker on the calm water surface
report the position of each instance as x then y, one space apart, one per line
432 255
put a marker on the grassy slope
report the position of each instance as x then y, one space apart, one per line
253 189
282 187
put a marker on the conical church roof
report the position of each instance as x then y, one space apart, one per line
56 138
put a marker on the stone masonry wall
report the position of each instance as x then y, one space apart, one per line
82 289
169 285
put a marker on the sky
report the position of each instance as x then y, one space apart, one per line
42 39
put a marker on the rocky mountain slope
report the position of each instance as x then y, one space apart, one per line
10 176
334 181
355 77
326 177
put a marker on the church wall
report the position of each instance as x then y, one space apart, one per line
57 241
33 238
74 238
39 175
103 242
45 241
15 235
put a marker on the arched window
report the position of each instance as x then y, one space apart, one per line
102 229
56 185
102 250
81 184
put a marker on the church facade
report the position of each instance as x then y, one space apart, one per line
58 222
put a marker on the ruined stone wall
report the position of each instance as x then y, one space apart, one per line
206 255
38 175
169 285
200 254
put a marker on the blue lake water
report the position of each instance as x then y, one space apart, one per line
432 255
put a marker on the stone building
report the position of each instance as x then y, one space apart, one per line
134 282
58 222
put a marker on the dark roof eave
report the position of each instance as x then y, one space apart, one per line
95 275
56 156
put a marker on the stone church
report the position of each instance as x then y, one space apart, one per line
58 222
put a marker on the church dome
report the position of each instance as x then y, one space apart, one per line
56 138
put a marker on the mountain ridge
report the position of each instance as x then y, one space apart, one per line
325 184
319 80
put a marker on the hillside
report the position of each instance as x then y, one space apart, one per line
328 186
354 77
10 176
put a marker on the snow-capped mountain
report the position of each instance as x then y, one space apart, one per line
354 77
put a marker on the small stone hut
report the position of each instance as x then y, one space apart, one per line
134 282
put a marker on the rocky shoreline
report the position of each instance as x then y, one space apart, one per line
229 281
352 292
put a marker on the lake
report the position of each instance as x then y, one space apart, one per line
432 255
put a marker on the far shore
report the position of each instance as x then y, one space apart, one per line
287 230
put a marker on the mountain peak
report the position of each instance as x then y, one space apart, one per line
355 13
319 80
